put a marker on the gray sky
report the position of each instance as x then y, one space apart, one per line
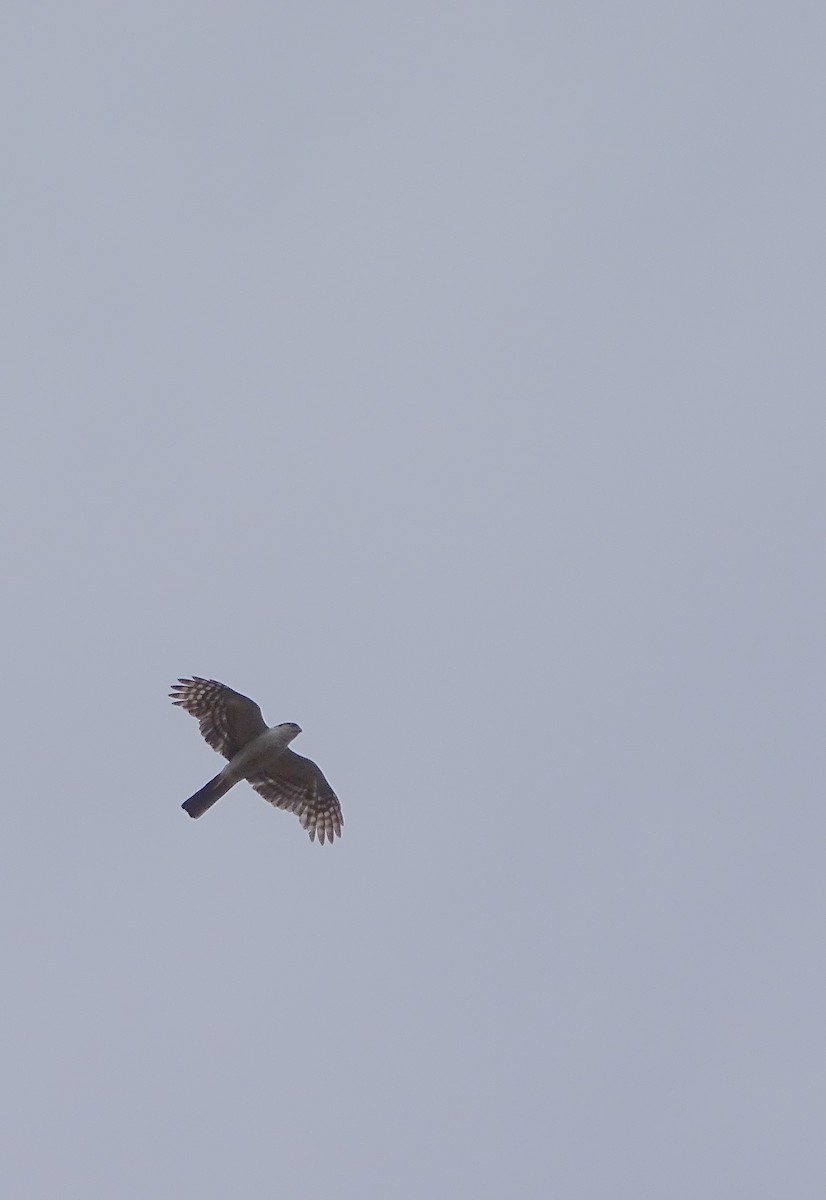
450 379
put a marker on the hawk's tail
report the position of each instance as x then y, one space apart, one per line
197 805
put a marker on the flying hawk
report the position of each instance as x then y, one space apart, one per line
233 725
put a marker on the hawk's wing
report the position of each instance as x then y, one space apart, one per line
296 784
227 719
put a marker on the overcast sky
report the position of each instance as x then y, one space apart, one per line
449 378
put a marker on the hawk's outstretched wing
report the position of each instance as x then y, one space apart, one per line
227 719
297 785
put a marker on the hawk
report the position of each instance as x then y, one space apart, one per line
232 724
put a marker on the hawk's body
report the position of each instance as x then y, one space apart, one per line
232 724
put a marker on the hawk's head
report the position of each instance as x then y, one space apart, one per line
291 730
